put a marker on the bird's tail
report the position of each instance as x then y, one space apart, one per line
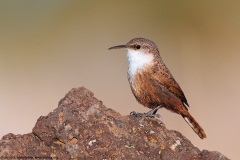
194 125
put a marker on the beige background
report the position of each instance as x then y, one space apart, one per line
49 47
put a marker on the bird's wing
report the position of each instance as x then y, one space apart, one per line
167 81
174 87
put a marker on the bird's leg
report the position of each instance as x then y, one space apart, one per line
151 113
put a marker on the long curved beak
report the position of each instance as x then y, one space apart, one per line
117 47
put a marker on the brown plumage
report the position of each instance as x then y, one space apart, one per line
152 83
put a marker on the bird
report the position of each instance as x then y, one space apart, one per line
152 83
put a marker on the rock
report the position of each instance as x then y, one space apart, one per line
81 127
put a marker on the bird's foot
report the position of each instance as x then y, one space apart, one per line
137 114
157 116
150 114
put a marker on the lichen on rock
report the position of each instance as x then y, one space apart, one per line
81 127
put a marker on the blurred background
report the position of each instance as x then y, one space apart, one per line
49 47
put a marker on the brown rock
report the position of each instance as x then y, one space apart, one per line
83 128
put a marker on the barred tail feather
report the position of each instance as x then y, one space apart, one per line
194 125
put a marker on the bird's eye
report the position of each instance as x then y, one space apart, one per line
137 46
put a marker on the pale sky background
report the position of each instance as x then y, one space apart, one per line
49 47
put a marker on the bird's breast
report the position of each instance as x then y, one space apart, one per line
143 88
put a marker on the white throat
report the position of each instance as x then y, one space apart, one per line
137 60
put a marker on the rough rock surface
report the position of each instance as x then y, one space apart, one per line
81 127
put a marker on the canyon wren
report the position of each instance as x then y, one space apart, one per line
153 84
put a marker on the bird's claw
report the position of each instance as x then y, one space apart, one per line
137 114
148 114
